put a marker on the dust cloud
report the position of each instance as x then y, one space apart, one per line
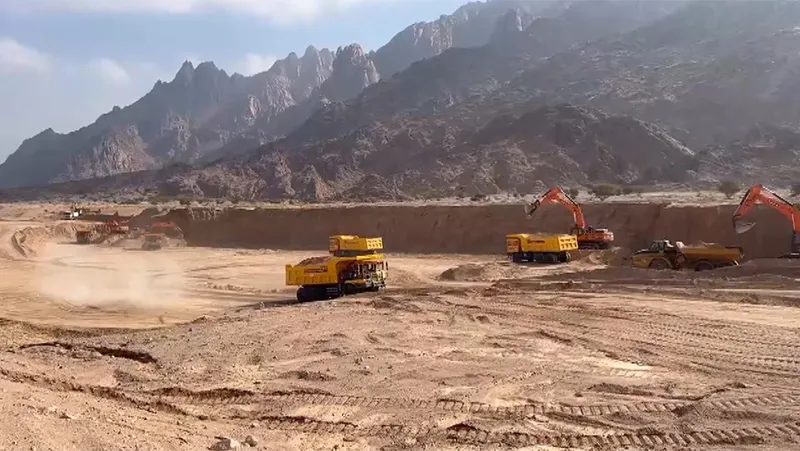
109 278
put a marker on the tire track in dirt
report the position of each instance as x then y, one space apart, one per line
459 433
224 396
703 354
737 356
97 391
739 436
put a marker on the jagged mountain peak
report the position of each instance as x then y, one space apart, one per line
185 73
350 51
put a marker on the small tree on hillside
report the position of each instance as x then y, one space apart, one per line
573 192
729 188
603 192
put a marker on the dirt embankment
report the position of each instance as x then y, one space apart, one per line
476 229
30 240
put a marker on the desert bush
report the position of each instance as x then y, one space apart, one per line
729 188
605 191
573 192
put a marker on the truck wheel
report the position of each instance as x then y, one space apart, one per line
302 295
659 264
703 266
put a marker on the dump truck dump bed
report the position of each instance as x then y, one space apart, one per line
728 253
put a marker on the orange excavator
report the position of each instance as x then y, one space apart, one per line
759 194
588 236
104 230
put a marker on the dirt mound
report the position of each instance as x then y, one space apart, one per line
401 278
481 272
29 241
611 257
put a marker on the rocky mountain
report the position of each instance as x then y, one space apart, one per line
708 73
430 158
433 86
197 112
559 144
204 113
472 25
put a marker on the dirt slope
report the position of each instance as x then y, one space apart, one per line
474 229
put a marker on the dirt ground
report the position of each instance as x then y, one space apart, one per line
108 347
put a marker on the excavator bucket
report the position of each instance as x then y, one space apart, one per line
531 208
741 226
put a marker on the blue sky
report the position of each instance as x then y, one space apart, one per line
65 62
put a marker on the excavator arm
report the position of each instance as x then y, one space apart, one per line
558 196
759 194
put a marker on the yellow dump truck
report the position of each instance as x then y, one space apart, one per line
535 248
353 245
353 266
662 254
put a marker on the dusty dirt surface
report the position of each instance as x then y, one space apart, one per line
109 347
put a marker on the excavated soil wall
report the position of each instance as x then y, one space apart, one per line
478 229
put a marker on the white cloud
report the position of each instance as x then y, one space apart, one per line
110 71
40 90
254 64
16 57
279 11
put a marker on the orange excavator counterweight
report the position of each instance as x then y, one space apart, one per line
759 194
588 237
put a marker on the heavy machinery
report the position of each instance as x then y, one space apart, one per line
168 229
533 248
588 236
113 227
759 194
153 241
108 228
352 266
662 254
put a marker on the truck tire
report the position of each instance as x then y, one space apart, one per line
703 265
659 264
302 295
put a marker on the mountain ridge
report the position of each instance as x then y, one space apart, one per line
193 117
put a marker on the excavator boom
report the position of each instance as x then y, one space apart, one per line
588 237
558 196
759 194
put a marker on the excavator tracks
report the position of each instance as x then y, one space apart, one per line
239 397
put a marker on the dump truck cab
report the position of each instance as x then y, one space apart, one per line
664 254
153 241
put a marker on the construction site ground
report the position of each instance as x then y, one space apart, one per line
108 347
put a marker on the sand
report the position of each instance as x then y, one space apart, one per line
110 347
